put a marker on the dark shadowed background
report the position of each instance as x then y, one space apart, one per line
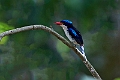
38 55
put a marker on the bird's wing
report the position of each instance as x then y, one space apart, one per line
76 35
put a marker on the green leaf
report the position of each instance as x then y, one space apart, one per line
117 79
4 27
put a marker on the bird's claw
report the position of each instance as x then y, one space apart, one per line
73 44
51 27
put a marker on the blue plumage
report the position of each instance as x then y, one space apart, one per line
72 33
66 21
76 35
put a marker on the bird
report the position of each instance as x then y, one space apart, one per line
72 34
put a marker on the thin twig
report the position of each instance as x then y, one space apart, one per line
35 27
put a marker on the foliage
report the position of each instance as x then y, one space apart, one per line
38 55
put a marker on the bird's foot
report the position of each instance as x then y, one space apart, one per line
73 44
51 27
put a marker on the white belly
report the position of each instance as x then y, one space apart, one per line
68 35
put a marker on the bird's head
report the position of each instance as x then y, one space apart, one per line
66 23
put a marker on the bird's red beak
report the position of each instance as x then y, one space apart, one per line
58 23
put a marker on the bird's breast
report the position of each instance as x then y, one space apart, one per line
68 35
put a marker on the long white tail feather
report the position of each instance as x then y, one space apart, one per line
83 52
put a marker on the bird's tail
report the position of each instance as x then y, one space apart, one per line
83 52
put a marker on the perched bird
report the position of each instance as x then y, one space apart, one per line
72 33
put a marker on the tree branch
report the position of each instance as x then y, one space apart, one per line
32 27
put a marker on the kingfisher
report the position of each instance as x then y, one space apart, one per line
72 34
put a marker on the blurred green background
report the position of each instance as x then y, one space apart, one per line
38 55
